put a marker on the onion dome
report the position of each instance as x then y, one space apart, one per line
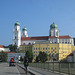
24 29
17 24
53 26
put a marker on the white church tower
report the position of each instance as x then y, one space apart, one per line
54 30
24 32
17 34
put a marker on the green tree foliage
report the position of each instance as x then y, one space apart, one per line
63 60
42 57
13 48
37 59
29 54
4 56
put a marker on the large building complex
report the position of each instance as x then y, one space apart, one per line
57 47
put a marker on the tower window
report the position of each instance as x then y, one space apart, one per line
15 37
15 43
29 43
23 43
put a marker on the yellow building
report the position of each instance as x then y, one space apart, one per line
54 51
73 48
24 48
64 50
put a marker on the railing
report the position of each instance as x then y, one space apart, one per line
68 68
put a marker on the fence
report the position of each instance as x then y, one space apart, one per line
68 68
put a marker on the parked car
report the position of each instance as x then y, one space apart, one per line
12 62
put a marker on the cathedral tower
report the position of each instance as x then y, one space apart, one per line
17 34
24 32
53 30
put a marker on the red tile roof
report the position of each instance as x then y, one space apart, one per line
9 52
43 37
35 38
62 37
1 46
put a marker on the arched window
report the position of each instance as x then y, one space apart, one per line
23 43
29 43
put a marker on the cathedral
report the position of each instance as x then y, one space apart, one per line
23 39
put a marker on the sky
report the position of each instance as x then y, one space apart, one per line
36 16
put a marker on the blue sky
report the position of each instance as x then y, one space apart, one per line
37 16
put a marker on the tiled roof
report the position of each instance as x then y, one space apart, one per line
1 46
35 38
9 52
43 37
61 37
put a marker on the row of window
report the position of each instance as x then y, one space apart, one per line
46 51
65 42
65 48
25 43
65 52
52 48
44 48
25 47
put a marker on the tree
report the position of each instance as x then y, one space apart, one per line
37 59
41 57
63 60
4 56
29 54
13 48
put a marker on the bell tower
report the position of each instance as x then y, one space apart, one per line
17 34
54 30
24 32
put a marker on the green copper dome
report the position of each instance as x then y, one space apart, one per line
17 24
53 26
24 29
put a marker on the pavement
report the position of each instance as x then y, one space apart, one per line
39 71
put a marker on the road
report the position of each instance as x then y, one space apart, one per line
6 70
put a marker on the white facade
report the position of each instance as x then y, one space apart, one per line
4 49
17 35
24 33
31 41
53 36
54 32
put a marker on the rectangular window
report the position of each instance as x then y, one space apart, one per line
43 48
51 48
